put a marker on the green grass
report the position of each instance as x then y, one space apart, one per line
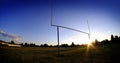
49 55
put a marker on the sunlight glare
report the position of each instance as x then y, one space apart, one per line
78 39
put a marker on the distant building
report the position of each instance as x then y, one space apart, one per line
14 45
8 44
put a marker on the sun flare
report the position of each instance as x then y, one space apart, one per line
84 39
88 42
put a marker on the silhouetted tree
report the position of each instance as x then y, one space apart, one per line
112 37
26 44
22 44
41 45
96 42
64 45
12 42
45 45
116 37
104 42
50 46
72 45
32 45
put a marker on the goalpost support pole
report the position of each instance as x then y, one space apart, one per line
58 40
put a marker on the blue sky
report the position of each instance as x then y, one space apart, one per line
30 19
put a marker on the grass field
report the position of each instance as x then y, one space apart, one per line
103 54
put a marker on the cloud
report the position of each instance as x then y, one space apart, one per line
11 36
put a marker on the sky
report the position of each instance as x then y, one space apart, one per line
29 20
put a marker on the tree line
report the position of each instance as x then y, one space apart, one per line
114 40
46 45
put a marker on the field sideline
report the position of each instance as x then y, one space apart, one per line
49 55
